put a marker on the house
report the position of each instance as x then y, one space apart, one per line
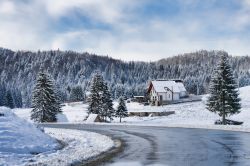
166 91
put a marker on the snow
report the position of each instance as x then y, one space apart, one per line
185 113
20 139
80 146
191 114
21 143
138 107
71 112
92 118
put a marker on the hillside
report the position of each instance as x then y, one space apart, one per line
191 114
18 71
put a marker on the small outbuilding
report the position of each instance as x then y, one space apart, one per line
139 99
93 118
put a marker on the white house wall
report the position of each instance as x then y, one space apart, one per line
176 96
153 94
183 94
166 96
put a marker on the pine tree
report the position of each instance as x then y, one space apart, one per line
2 94
9 102
107 108
17 96
121 111
96 91
100 98
224 97
76 94
44 102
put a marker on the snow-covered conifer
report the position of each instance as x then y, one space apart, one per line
44 101
100 98
17 97
96 92
107 108
121 110
8 101
76 94
224 97
2 94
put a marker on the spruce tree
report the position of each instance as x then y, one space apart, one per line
96 90
76 94
2 94
121 111
100 98
224 96
45 104
17 97
9 101
107 109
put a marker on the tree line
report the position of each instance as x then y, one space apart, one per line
10 97
46 102
73 71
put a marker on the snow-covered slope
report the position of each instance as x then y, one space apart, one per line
190 114
71 112
193 113
21 143
19 138
244 115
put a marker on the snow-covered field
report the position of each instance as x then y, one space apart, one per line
19 139
72 112
192 114
21 143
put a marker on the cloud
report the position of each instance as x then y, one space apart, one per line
7 7
101 10
128 30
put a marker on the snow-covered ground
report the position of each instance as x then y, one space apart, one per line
21 143
19 139
80 145
72 112
192 114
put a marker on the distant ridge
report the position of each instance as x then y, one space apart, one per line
68 68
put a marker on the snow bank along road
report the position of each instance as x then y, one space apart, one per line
173 146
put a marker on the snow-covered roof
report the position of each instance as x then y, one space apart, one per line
92 118
164 85
88 93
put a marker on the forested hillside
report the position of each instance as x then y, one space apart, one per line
18 70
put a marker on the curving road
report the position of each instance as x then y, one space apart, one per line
173 146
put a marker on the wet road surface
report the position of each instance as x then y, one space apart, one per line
173 146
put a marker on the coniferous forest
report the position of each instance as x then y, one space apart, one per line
19 69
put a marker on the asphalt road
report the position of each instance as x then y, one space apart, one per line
174 146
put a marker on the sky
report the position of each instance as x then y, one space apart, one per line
144 30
